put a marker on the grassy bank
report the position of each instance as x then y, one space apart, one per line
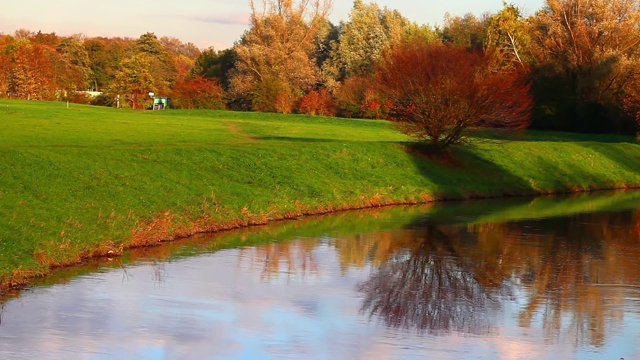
88 181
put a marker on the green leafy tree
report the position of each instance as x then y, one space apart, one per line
215 65
161 64
134 79
362 40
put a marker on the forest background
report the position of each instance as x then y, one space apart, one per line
580 59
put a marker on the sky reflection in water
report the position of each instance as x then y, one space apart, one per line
392 284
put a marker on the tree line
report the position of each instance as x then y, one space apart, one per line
571 66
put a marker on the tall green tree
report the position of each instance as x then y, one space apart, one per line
161 63
134 80
214 64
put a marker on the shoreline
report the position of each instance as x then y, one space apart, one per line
158 239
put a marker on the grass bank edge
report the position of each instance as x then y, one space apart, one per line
244 157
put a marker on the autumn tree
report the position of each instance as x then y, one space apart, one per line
275 63
176 46
439 92
32 76
317 102
73 71
467 31
5 64
198 93
507 36
134 79
587 51
362 40
105 55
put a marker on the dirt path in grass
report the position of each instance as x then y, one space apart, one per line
234 129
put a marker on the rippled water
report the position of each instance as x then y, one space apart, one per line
551 278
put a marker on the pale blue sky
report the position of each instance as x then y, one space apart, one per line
205 23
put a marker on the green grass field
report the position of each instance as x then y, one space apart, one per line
87 181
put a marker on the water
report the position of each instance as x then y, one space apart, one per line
549 278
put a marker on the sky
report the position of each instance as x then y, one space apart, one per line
205 23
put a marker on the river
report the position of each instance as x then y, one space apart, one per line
544 278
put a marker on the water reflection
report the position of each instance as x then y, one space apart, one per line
428 286
572 275
471 280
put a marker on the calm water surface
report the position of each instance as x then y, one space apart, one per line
549 278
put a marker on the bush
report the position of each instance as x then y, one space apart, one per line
317 102
272 95
438 92
198 93
357 97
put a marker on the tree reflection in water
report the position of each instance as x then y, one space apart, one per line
429 287
572 276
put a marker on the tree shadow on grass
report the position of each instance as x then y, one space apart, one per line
316 140
293 139
461 173
622 155
548 136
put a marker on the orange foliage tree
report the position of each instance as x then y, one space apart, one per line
439 92
198 93
317 102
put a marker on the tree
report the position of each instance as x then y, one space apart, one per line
32 75
276 54
161 64
176 46
466 31
6 65
198 93
214 64
105 56
589 49
317 102
507 35
134 79
370 31
362 40
74 71
438 92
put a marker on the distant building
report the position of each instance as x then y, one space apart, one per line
161 102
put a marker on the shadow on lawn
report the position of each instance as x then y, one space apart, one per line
315 140
623 157
548 136
461 173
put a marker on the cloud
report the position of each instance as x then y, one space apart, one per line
228 19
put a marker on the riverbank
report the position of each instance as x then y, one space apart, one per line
90 181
